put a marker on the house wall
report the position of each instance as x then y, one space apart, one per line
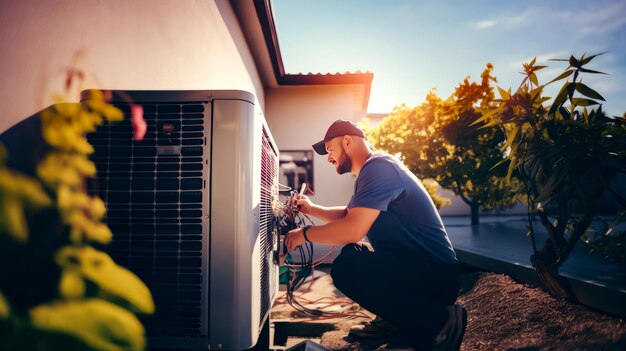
299 117
140 44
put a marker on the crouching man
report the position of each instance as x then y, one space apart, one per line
410 278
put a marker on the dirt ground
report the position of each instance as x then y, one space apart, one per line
502 315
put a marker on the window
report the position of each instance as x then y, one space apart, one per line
296 167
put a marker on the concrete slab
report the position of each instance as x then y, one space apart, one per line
331 332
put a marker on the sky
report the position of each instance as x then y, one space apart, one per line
415 46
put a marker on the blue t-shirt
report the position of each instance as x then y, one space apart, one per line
408 221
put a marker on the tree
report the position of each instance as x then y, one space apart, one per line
567 156
437 140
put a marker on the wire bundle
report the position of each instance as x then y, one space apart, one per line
288 218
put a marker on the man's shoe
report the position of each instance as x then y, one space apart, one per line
451 335
374 329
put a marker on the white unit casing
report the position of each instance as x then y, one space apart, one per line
190 207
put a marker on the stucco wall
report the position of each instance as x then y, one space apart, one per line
139 44
298 117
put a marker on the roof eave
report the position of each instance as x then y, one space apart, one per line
265 19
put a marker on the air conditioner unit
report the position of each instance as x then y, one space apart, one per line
190 208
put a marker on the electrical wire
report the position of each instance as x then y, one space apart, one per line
290 218
284 187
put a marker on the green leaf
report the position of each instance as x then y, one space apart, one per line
560 99
97 323
574 62
591 71
586 114
588 92
115 282
562 75
564 112
583 102
588 59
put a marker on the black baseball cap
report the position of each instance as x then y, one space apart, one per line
339 127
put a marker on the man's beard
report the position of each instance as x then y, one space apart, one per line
346 165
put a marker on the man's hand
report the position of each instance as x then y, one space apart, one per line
304 204
294 238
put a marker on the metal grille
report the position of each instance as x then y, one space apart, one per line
269 183
154 194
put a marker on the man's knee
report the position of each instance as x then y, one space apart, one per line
348 248
357 247
343 264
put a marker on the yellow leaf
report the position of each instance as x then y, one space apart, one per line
115 282
67 109
97 208
32 194
64 197
77 219
53 134
86 121
5 308
71 285
12 218
509 172
112 113
98 232
96 118
97 323
55 169
46 115
96 95
504 94
76 236
510 138
96 105
17 194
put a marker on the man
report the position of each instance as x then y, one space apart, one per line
410 280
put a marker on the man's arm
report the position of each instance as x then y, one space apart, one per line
326 214
349 229
329 214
